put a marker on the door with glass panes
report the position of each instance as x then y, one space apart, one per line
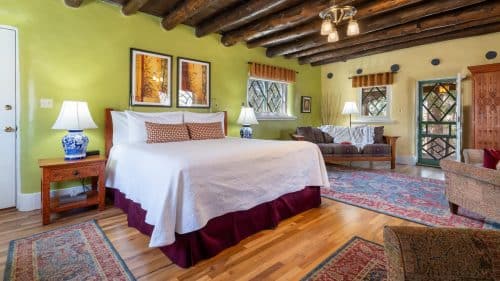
439 127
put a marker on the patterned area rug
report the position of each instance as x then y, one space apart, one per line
419 200
357 260
77 252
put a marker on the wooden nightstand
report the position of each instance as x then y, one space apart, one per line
57 170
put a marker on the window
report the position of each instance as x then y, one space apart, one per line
375 103
268 98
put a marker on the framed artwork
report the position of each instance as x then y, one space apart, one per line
305 106
193 86
150 79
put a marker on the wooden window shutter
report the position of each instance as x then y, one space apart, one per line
270 72
377 79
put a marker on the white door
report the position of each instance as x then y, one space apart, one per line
8 54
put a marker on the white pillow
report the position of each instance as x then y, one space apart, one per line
192 117
120 127
137 123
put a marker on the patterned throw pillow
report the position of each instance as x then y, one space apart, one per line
378 134
159 133
205 131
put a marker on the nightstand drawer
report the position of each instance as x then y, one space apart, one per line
74 173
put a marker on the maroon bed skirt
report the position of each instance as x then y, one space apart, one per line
224 231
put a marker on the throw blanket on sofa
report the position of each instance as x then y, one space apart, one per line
358 136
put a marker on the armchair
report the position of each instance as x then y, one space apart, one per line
474 188
444 254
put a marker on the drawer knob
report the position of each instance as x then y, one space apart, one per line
76 173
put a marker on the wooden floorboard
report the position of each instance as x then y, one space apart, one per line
288 252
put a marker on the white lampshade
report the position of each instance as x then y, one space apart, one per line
353 28
333 36
350 108
326 27
74 115
247 116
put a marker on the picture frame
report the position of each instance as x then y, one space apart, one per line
193 83
150 78
305 104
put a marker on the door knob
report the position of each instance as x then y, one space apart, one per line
9 129
8 107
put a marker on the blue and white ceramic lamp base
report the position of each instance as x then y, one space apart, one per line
246 132
75 145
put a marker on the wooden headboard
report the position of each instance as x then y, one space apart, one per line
108 129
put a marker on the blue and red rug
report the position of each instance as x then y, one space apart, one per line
357 260
77 252
416 199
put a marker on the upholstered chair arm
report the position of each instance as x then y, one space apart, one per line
459 169
297 137
421 253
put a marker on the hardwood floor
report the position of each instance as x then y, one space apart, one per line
288 252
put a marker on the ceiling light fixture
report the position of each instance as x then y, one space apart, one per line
333 36
333 16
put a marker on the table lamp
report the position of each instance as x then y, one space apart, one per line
74 117
350 108
247 118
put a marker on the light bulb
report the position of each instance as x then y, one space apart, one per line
326 27
352 28
333 36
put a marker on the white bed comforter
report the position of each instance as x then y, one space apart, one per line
185 184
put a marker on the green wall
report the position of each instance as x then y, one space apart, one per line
83 54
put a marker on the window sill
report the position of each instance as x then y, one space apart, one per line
275 118
375 121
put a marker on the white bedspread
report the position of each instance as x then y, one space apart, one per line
185 184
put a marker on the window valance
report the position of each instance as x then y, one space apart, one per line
270 72
377 79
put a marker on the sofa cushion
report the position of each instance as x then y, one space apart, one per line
377 149
311 134
338 149
378 134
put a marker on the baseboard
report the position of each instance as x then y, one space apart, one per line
32 201
406 160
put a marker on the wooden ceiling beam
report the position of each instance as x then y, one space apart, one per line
133 6
474 31
242 15
371 9
287 35
73 3
340 53
487 10
277 22
183 11
402 16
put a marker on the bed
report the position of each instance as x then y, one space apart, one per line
197 198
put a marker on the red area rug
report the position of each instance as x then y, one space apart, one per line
357 260
77 252
416 199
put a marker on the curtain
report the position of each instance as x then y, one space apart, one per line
378 79
270 72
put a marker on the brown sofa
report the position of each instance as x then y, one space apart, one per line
384 148
474 188
422 254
